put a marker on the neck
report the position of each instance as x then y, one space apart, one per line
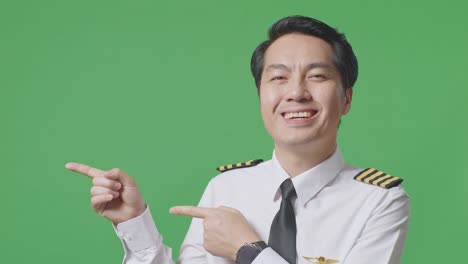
296 160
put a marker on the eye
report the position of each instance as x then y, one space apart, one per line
278 78
317 77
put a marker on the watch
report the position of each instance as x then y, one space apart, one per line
248 252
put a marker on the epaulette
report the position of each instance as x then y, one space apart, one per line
246 164
378 178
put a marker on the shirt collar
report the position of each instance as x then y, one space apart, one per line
310 182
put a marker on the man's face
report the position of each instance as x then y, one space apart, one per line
301 96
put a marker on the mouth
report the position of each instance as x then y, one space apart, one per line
299 115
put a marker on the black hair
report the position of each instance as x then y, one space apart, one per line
343 56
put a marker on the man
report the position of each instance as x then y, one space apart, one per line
303 206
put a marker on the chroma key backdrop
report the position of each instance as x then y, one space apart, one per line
163 90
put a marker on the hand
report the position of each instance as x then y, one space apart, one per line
115 195
225 229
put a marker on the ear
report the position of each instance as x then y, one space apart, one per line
348 99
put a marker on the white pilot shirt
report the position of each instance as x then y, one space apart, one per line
337 217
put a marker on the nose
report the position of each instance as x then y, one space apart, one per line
298 92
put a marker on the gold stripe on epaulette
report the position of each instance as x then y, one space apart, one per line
381 179
363 174
389 182
246 164
378 178
375 175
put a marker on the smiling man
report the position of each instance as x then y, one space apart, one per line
305 205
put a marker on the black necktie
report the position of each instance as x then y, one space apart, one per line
283 228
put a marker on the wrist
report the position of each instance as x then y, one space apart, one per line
248 239
129 214
139 211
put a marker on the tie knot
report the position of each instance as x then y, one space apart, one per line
287 189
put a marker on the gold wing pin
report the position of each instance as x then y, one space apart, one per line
321 260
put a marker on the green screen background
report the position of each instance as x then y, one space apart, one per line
162 89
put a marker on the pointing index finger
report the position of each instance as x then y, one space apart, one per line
84 169
193 211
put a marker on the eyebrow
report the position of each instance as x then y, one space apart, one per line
309 66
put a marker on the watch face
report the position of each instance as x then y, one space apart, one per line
248 252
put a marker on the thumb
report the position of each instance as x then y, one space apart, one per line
119 175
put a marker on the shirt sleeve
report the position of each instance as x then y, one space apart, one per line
383 237
142 242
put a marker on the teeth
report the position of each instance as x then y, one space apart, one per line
291 115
